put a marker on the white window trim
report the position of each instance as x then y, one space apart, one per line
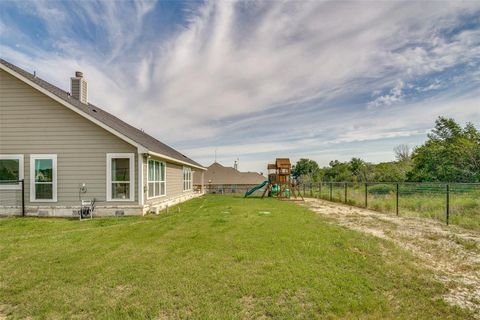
140 191
183 179
131 158
34 157
18 157
148 180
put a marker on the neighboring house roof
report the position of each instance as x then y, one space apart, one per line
218 174
89 111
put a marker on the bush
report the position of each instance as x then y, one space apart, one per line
382 188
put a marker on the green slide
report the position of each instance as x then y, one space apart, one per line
261 185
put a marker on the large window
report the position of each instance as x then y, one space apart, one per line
187 178
43 177
11 171
156 178
120 177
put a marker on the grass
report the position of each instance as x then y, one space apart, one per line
425 201
217 257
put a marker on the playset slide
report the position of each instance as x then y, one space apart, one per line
261 185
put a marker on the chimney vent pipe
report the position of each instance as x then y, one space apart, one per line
79 88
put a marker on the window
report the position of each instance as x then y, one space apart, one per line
11 171
43 177
156 178
120 177
187 178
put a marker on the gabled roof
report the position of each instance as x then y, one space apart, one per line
218 174
103 118
283 163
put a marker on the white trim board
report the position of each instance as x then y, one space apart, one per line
52 157
190 173
141 195
173 160
73 108
141 148
131 158
159 181
21 171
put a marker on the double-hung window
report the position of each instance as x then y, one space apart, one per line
11 171
120 177
187 178
43 177
156 178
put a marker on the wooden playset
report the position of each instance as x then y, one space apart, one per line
280 182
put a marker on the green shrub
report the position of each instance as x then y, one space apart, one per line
382 188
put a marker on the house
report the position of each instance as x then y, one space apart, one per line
67 149
220 179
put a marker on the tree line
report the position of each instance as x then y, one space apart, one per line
450 154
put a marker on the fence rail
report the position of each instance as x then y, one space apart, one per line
12 197
457 203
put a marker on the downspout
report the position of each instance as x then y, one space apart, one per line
140 158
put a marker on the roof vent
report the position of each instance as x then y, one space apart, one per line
78 87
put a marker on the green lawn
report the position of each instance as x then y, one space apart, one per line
217 257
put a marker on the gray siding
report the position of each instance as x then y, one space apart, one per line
33 123
173 181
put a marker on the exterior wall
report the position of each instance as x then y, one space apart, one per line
32 123
174 187
198 180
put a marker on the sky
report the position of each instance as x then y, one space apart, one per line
256 80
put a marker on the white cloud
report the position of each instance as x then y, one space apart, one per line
240 68
435 85
395 95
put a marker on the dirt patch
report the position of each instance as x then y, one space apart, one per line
3 316
451 252
248 309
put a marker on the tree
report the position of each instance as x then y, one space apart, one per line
337 171
402 153
451 154
361 170
306 170
391 171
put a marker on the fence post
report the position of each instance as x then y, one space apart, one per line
23 197
397 195
319 190
311 189
304 189
448 204
345 193
366 195
331 194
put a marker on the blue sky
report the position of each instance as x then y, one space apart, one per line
259 80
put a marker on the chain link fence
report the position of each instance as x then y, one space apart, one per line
456 203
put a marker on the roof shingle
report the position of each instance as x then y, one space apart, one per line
106 118
218 174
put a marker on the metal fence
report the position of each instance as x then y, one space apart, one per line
235 189
457 203
12 197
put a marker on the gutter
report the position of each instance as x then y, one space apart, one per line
175 160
